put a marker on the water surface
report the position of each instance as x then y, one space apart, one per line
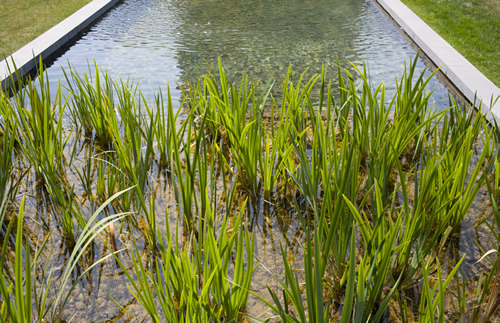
168 42
161 43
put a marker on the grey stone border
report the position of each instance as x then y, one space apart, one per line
468 79
25 59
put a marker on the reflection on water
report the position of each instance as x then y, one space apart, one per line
166 42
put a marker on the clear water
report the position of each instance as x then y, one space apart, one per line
168 42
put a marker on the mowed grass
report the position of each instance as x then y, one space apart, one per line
471 26
21 21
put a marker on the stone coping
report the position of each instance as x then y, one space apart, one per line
26 58
476 87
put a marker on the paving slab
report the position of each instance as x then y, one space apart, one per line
475 87
26 58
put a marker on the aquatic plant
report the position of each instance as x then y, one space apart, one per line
397 234
92 107
377 191
22 294
433 300
37 115
193 282
7 141
186 169
164 133
19 308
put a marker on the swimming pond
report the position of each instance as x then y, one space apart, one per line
170 42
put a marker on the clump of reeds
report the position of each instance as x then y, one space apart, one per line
25 294
380 188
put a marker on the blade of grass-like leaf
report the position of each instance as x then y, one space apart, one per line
351 279
89 232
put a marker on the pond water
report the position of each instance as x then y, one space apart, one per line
168 42
161 43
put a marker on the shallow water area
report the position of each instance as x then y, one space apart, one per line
161 43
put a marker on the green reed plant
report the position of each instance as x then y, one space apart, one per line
278 157
7 141
246 150
326 251
91 231
309 172
207 181
331 171
412 121
216 98
340 173
137 134
425 223
8 120
272 161
318 307
186 170
398 229
296 98
483 305
292 293
136 125
18 308
296 103
192 282
85 173
234 105
135 161
198 101
363 287
40 123
497 176
100 184
163 132
116 181
23 288
100 178
494 163
384 136
369 118
22 294
193 169
432 300
460 182
374 270
417 229
230 293
67 211
316 171
8 104
486 300
92 105
235 112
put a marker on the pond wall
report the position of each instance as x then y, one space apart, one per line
26 58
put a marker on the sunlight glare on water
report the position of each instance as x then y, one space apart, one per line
162 43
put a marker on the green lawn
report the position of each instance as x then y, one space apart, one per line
21 21
471 26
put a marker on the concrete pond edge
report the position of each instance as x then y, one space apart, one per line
27 58
475 87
